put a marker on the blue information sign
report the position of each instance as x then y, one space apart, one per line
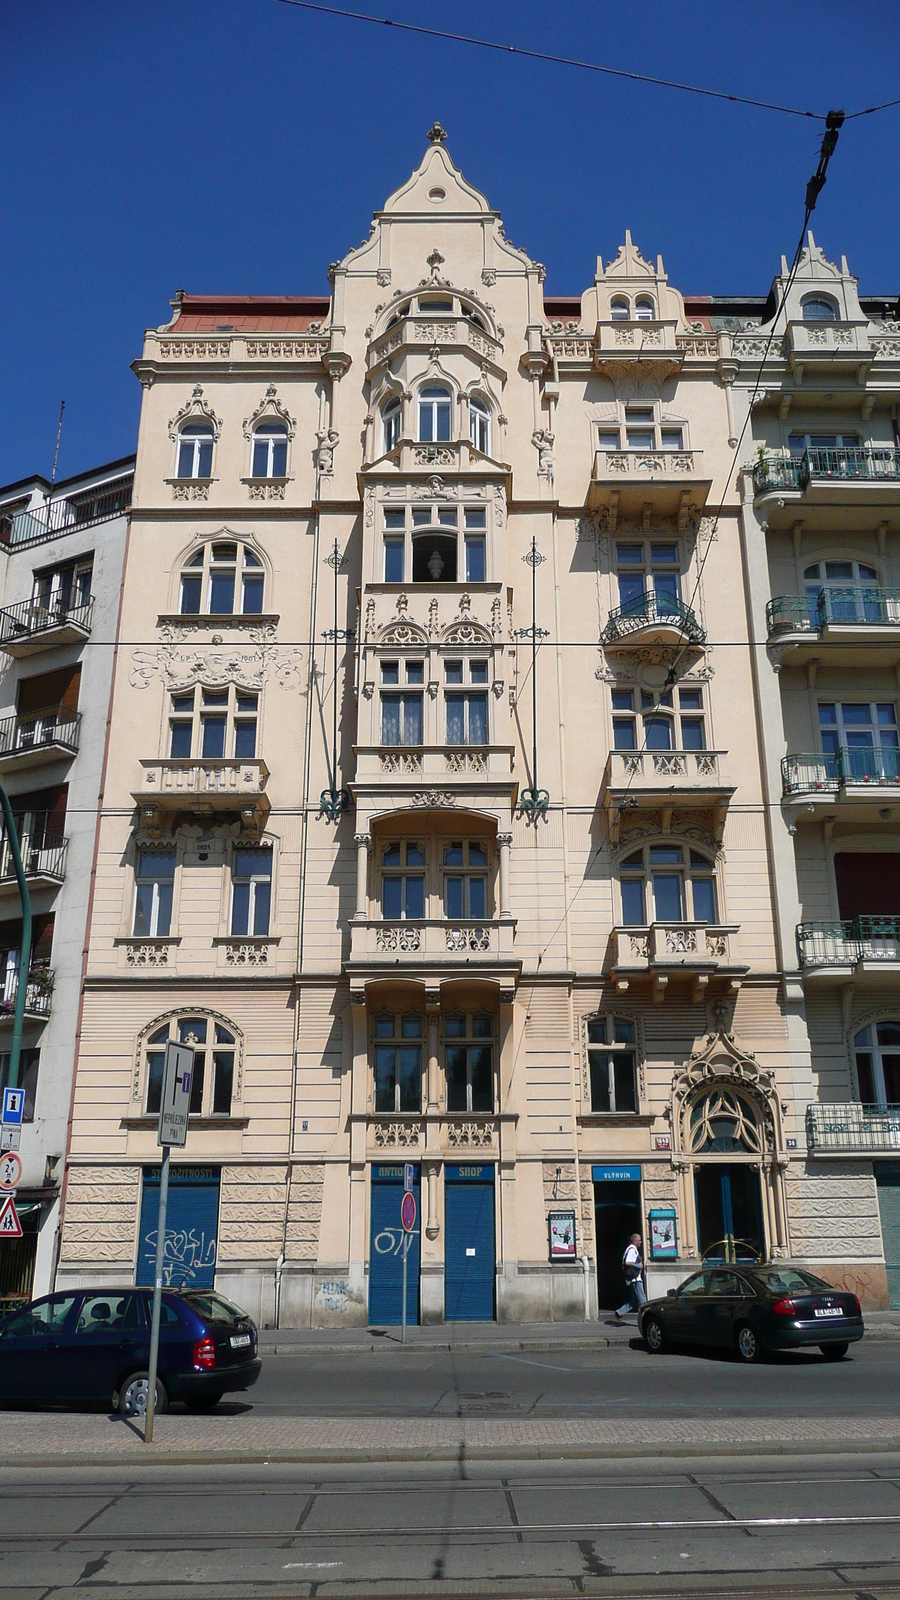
13 1106
616 1174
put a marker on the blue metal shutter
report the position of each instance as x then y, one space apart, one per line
386 1250
192 1219
469 1227
888 1181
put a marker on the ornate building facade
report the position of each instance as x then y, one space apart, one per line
428 819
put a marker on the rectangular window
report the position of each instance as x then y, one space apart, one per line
251 892
465 880
214 723
608 439
860 740
401 719
671 438
29 1064
253 584
475 558
394 549
613 1076
154 886
469 1063
398 1063
246 709
466 718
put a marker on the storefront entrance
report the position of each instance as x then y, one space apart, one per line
192 1221
617 1215
388 1243
469 1257
729 1213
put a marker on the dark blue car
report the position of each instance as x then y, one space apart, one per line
92 1346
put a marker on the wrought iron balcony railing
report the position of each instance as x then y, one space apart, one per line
853 1126
846 606
653 609
31 617
43 855
815 773
865 463
776 472
67 514
845 942
43 731
39 991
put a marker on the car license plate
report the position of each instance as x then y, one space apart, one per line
828 1311
239 1340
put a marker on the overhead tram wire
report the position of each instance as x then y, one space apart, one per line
573 61
814 187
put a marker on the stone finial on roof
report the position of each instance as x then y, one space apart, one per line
437 134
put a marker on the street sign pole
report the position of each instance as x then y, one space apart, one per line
174 1108
405 1237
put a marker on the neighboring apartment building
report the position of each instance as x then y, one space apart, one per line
429 817
61 556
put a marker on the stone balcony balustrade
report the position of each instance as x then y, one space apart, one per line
664 951
203 787
670 482
450 333
662 779
434 943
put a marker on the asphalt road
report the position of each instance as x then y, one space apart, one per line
809 1529
610 1382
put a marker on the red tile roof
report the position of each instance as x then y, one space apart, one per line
251 313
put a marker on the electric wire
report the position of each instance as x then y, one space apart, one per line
572 61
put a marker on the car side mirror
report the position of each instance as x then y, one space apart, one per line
671 1293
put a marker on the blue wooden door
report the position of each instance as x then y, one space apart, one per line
469 1244
388 1243
192 1221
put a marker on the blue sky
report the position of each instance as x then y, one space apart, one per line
240 145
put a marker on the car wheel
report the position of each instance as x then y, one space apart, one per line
834 1352
132 1396
747 1343
203 1402
654 1335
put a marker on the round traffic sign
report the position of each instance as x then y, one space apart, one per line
408 1212
10 1170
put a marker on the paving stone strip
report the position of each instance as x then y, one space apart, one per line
56 1439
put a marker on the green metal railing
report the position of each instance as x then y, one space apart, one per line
841 943
649 609
848 606
861 462
817 773
776 472
853 1126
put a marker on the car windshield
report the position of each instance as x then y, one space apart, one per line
212 1307
787 1280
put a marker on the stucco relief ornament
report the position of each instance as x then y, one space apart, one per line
249 668
543 441
722 1078
270 406
329 439
433 799
196 407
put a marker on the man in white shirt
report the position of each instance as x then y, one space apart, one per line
633 1270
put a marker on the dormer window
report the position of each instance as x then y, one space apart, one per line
435 409
270 442
620 310
390 423
817 309
195 450
644 309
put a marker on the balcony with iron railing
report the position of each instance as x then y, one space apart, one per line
32 625
849 776
845 618
38 992
67 514
43 858
864 946
670 482
653 618
868 474
852 1127
32 741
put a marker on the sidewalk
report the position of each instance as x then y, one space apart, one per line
489 1335
29 1439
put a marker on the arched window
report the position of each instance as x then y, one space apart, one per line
398 1062
817 309
667 883
644 309
480 424
270 442
222 579
212 1080
435 408
722 1122
469 1061
391 415
619 309
877 1051
845 591
195 450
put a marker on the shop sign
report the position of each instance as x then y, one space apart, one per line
616 1174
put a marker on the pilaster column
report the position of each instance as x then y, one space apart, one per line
504 844
432 1221
433 1016
362 842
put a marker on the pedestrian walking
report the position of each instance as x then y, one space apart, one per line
633 1272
